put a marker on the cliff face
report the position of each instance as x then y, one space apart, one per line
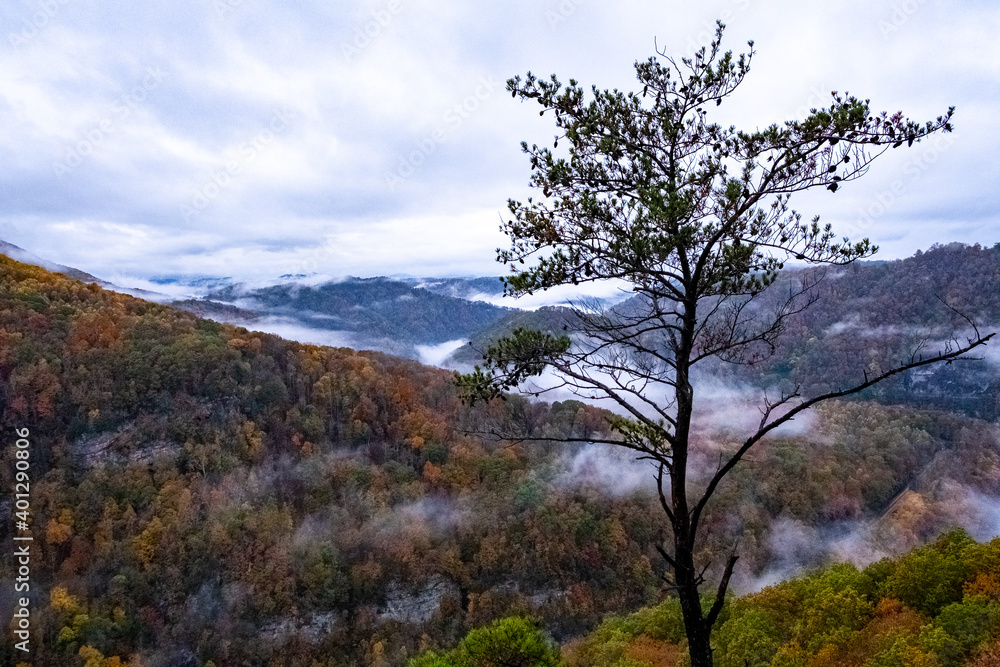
126 446
418 606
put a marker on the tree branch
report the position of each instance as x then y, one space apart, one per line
788 416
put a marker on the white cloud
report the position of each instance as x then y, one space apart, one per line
361 117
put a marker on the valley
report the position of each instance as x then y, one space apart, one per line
199 484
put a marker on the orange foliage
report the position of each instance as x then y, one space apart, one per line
892 620
987 656
432 474
80 556
95 658
985 584
580 598
888 607
62 601
147 543
654 653
60 530
93 331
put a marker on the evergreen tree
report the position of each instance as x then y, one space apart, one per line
695 218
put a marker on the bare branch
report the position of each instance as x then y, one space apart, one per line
805 405
720 594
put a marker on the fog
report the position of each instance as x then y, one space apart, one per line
614 470
436 355
608 292
912 520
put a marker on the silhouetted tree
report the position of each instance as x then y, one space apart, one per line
695 218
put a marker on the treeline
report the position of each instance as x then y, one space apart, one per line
937 606
373 308
867 318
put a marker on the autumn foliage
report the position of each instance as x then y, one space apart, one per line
206 494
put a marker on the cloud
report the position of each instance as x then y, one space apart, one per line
910 521
293 330
612 469
435 355
607 292
794 546
68 77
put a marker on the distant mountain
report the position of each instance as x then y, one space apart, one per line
199 285
21 255
398 315
214 310
874 315
380 312
550 319
491 290
867 316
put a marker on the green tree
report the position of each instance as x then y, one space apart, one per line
930 578
695 218
509 642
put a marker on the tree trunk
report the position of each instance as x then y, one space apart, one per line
696 627
699 648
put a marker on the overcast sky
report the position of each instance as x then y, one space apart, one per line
252 138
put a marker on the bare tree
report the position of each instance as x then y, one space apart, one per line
695 218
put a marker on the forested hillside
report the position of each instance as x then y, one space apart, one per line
197 485
867 316
873 315
938 606
204 493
